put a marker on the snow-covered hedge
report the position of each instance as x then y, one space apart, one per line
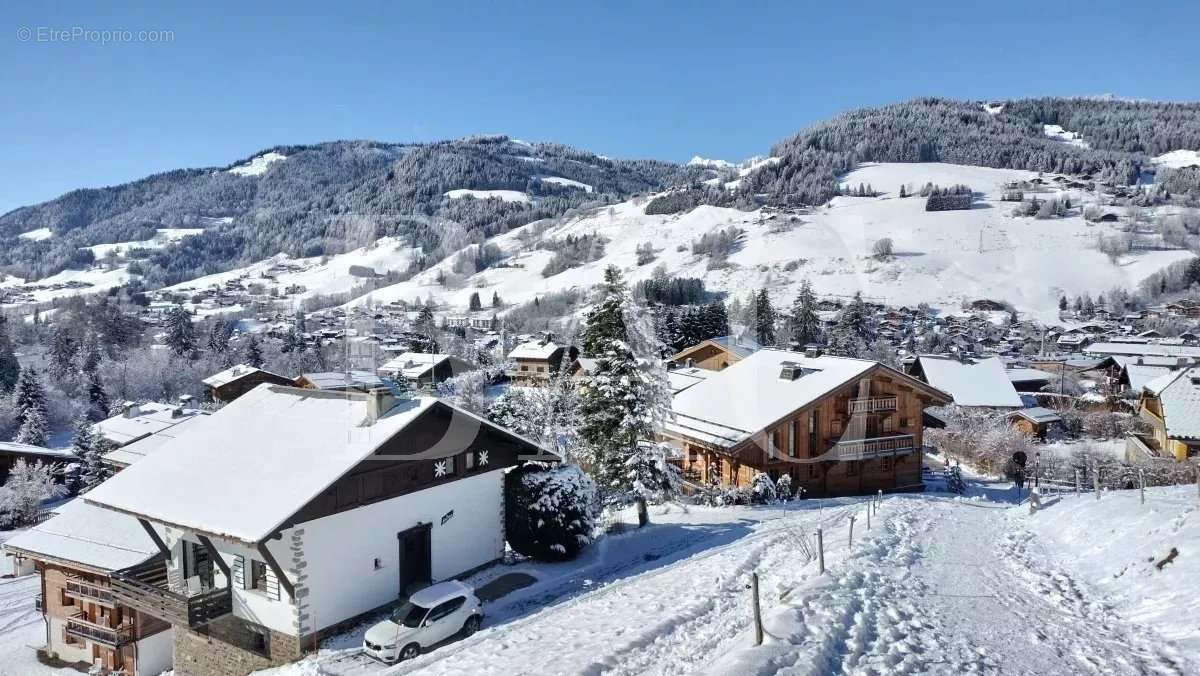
550 512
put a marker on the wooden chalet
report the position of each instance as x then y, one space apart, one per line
836 426
537 361
716 354
235 381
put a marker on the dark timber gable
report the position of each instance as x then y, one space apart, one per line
375 480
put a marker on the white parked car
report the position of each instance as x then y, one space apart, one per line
427 618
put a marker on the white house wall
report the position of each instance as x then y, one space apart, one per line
79 652
155 654
340 550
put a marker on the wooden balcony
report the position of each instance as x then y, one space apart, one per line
115 637
144 588
864 449
872 405
90 592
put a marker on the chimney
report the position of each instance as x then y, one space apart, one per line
380 400
690 363
185 399
130 409
812 351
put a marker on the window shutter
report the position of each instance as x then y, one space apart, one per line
239 571
272 589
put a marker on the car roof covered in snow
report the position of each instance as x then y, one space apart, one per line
440 593
981 383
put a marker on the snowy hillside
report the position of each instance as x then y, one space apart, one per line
316 276
163 237
942 258
258 165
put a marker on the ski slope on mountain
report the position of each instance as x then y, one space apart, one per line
942 258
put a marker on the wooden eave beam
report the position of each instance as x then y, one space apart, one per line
275 568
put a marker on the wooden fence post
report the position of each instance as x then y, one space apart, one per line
820 552
1096 480
1142 483
850 540
1078 487
758 626
868 518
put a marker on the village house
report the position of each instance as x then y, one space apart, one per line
290 513
535 362
76 552
834 425
716 354
1036 421
423 370
11 452
339 381
237 380
1170 407
138 421
980 383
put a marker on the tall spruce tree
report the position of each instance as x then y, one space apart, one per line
62 353
28 397
806 326
764 319
10 369
89 448
98 403
181 335
623 399
252 351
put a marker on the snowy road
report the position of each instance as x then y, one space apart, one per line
939 585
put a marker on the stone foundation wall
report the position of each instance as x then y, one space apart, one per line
227 648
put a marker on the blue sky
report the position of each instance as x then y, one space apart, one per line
627 79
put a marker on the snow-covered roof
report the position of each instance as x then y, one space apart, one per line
682 378
1027 375
1037 414
412 364
731 405
88 535
26 449
336 380
742 346
1179 394
253 464
534 350
1149 360
229 375
131 453
982 383
1155 349
1140 375
142 421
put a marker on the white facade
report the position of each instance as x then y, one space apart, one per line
341 549
351 559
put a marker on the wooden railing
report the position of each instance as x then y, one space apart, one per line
872 404
144 588
90 592
113 636
862 449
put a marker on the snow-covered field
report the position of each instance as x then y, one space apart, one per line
1179 158
318 276
37 235
258 165
163 237
938 585
1056 132
506 195
942 258
97 279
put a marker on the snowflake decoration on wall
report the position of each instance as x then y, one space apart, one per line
439 468
483 458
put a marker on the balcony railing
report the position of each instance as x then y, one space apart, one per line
144 588
863 449
112 636
39 603
90 592
872 404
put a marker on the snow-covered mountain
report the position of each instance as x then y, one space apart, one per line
942 258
